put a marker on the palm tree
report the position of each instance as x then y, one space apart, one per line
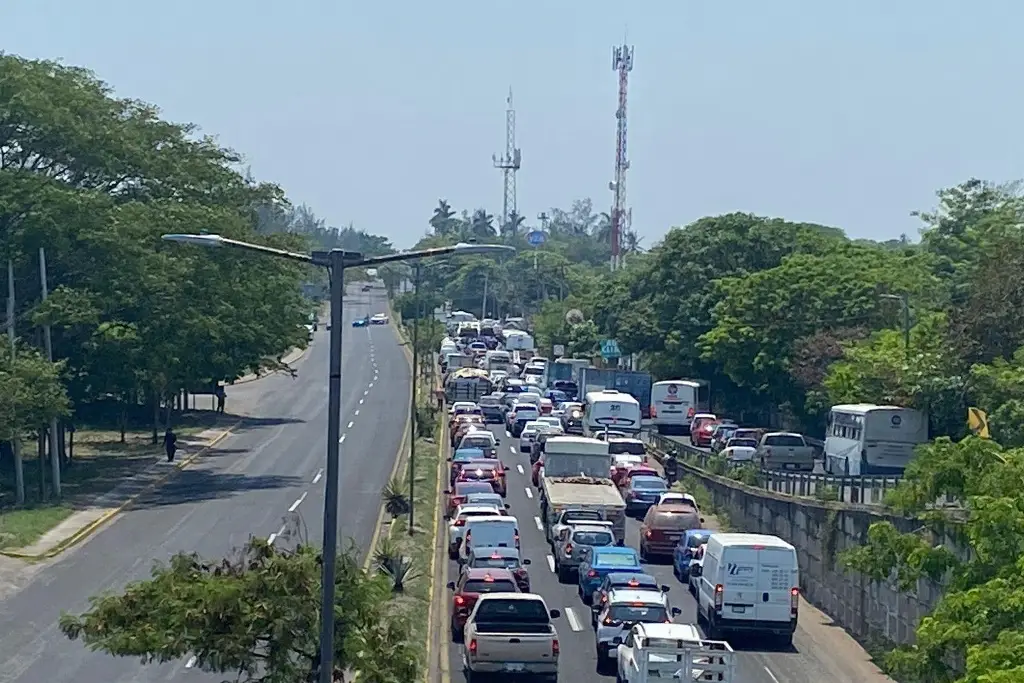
515 222
481 225
443 219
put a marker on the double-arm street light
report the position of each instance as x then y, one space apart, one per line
335 261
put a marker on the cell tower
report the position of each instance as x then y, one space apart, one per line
509 164
622 61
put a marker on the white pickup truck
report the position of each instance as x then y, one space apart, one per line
511 634
655 652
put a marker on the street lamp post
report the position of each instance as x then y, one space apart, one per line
904 300
335 261
413 417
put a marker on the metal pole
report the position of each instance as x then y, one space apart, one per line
336 271
412 408
10 305
483 306
54 455
905 301
19 467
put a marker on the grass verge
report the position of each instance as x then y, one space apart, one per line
410 556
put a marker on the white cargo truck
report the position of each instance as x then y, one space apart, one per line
577 476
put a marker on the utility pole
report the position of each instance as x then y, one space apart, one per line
509 165
413 426
19 468
483 306
54 453
622 62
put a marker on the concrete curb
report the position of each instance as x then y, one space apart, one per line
94 526
293 356
432 613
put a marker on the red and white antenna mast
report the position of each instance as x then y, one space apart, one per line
622 61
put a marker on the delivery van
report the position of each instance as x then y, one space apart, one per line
750 583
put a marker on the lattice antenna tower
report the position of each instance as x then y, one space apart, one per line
622 62
509 164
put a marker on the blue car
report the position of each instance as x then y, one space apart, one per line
361 322
642 492
683 552
598 563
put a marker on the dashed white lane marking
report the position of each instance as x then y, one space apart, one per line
296 504
192 660
366 393
529 493
342 439
574 621
551 564
513 449
371 385
520 469
508 434
357 412
361 401
770 674
271 538
318 475
350 425
540 525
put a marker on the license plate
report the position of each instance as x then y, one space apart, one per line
738 609
512 667
790 466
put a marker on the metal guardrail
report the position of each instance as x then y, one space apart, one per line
863 490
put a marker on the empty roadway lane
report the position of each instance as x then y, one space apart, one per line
266 472
820 653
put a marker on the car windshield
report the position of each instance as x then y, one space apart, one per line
496 562
742 443
494 586
784 441
697 540
477 442
595 538
467 454
498 610
466 487
648 614
630 447
617 559
649 484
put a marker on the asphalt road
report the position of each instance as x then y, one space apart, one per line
267 473
814 657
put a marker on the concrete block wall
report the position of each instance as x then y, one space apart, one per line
820 531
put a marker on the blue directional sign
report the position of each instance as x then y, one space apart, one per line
610 349
535 238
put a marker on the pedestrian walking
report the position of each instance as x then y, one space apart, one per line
170 444
221 398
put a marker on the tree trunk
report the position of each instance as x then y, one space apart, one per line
123 421
41 457
19 471
156 417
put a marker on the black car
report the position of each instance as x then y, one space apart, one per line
491 406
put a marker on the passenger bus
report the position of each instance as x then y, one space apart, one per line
610 410
867 439
674 403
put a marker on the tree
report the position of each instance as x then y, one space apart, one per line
443 221
254 616
481 225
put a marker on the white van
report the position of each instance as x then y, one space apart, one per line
612 410
750 583
489 532
673 405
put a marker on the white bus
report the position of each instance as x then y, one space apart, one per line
673 405
866 439
610 410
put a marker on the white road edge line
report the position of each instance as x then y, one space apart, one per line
574 621
271 538
350 425
319 473
551 564
769 672
192 660
520 469
529 493
296 504
540 525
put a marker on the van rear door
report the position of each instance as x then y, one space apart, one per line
778 575
671 403
739 577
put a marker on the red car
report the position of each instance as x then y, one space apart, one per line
457 494
702 428
535 474
641 471
471 585
490 471
500 558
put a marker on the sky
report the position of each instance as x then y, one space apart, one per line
850 114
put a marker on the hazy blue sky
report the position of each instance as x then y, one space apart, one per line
845 113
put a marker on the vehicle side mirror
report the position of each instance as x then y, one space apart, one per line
451 585
555 613
497 442
676 611
665 589
507 469
447 492
507 506
701 520
526 561
616 641
696 570
450 460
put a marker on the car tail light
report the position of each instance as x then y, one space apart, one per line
608 621
517 539
555 649
630 495
719 596
591 574
649 533
794 600
460 522
460 601
690 413
472 646
568 548
654 412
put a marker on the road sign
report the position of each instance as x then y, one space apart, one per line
610 349
559 350
535 238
